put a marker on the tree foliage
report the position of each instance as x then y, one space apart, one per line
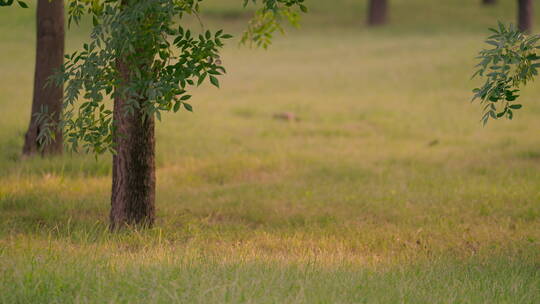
165 59
510 63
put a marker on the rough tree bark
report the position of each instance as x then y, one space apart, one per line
134 179
377 12
489 2
525 15
49 58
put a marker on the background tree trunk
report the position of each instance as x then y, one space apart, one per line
525 15
134 179
378 12
489 2
49 58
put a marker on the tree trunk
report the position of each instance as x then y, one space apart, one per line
489 2
378 12
525 15
134 179
49 58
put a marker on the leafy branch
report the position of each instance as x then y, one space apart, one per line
164 60
510 63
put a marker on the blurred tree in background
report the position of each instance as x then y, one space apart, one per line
377 12
525 15
47 98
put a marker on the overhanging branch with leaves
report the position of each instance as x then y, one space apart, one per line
511 63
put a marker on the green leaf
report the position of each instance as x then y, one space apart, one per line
6 2
22 4
188 107
201 79
515 106
512 98
494 43
176 106
214 81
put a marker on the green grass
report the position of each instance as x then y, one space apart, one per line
388 190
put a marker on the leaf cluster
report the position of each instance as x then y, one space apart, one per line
162 60
267 20
510 63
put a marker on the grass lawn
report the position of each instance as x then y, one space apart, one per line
388 189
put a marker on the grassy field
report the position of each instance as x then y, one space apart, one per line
388 190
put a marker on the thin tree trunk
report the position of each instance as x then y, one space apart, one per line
525 15
49 58
378 12
134 179
489 2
